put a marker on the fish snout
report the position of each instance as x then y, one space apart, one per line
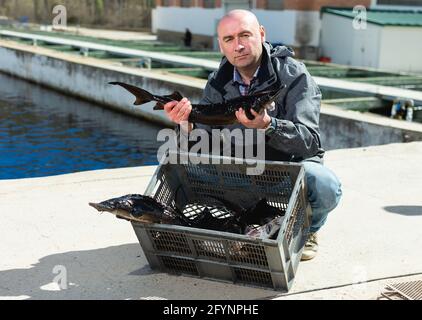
100 207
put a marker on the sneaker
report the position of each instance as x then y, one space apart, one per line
311 247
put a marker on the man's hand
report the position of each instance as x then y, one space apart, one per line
261 121
178 112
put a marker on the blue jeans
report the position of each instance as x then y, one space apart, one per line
324 192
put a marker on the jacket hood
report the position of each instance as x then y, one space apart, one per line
279 51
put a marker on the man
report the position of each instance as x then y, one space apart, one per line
187 39
292 131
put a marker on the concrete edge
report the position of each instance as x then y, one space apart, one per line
368 117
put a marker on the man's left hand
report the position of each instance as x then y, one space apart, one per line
261 121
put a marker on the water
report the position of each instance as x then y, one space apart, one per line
45 133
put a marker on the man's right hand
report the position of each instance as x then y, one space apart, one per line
178 112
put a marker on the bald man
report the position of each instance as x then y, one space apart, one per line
250 64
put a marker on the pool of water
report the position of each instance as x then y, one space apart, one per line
45 133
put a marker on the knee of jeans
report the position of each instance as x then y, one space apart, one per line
325 192
331 193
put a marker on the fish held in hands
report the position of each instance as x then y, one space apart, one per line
223 113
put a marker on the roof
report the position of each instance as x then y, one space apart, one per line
382 17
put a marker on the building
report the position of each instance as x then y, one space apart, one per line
291 22
378 38
396 4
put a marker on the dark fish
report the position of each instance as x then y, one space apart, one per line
260 220
206 220
140 208
261 213
210 114
258 214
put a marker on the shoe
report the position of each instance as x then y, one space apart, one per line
311 247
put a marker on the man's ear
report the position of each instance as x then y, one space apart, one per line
219 45
262 32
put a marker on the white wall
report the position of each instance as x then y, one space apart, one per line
401 49
308 28
285 26
390 48
366 46
289 26
198 20
336 38
279 25
346 45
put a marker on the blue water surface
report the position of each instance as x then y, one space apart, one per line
45 133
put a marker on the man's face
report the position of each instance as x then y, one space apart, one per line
240 40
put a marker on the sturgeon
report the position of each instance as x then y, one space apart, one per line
214 113
260 220
140 208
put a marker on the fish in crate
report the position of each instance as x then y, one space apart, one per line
260 220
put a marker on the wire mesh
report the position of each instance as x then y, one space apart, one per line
410 290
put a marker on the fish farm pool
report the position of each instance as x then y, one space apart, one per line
44 133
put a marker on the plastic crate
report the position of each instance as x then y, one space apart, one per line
221 255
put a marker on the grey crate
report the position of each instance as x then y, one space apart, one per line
221 255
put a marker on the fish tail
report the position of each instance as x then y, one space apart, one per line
142 96
159 106
175 96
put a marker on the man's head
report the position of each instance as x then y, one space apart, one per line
240 37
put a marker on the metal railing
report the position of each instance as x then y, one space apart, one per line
383 92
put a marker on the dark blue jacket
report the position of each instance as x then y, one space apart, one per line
297 110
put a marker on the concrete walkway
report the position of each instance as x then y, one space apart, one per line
107 34
47 230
